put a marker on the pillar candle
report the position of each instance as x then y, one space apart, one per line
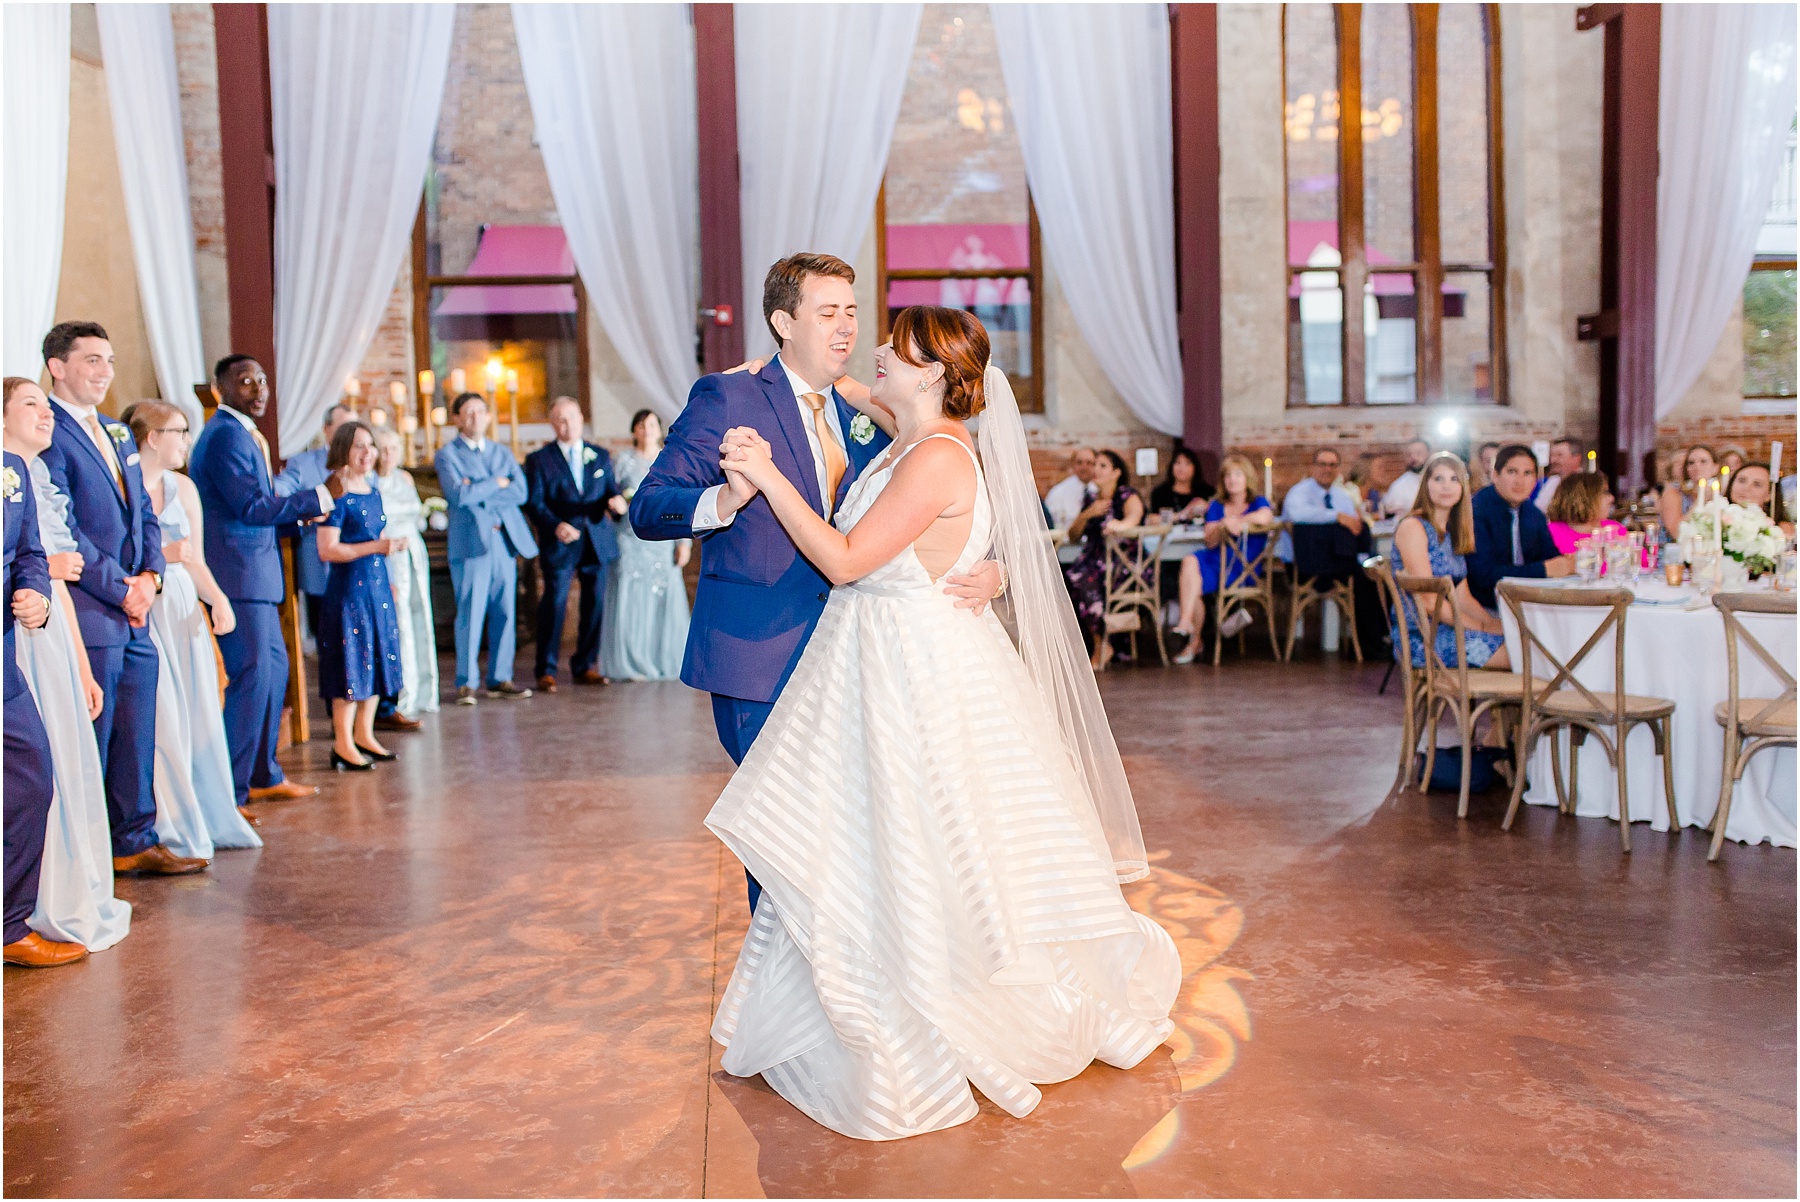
1269 479
459 382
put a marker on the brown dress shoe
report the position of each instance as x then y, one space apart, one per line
591 677
35 951
546 684
399 722
158 861
247 816
287 790
508 691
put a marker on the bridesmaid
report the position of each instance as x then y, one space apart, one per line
75 902
409 571
644 631
359 634
196 808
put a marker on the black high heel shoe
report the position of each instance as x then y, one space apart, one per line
343 765
383 756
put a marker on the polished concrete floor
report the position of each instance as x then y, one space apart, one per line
489 969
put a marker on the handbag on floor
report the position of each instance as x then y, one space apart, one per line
1446 769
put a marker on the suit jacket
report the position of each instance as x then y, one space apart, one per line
759 598
480 508
25 564
117 536
552 497
242 510
304 473
1493 557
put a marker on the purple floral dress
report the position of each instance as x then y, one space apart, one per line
1087 575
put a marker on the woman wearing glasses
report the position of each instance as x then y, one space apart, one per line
196 809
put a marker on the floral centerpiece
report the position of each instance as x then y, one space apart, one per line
1742 532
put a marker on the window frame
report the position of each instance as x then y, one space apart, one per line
1770 264
1428 269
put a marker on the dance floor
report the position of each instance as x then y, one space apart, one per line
489 970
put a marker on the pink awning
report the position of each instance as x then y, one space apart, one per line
515 250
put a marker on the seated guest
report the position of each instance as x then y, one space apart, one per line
359 636
645 630
1695 467
196 806
1182 490
1512 536
1732 457
1115 504
1582 505
75 901
1482 474
1070 495
1233 513
1433 540
571 498
305 472
1565 461
409 571
1398 499
1319 500
1750 486
1360 483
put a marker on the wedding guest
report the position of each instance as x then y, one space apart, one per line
232 472
571 498
409 571
196 804
644 632
1115 503
485 489
1565 461
1582 506
1750 486
1482 474
26 763
1435 539
1235 512
94 462
1183 489
1732 457
1512 536
1398 499
75 902
1695 467
303 472
1319 500
359 635
1073 493
1359 482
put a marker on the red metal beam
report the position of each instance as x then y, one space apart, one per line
1194 59
721 229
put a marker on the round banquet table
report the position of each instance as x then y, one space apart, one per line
1675 652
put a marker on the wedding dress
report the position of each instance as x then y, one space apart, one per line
940 904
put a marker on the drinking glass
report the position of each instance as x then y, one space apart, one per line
1621 561
1587 559
1705 568
1784 570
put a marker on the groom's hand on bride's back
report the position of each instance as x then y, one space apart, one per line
978 589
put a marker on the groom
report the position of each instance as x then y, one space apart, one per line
758 598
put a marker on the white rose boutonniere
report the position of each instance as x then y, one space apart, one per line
862 429
120 434
588 454
9 481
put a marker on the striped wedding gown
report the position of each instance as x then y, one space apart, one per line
940 910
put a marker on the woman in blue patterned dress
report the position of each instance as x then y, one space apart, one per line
1432 541
359 631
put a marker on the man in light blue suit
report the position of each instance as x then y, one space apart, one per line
303 473
484 487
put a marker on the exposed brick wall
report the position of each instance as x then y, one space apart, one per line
1752 433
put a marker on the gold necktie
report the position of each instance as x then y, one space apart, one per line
262 444
828 446
98 433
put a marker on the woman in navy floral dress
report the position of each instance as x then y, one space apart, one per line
359 630
1116 503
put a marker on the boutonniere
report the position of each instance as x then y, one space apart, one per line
588 454
9 480
862 429
627 494
119 434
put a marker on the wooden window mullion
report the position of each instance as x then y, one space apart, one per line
1429 282
1355 272
1038 402
1497 374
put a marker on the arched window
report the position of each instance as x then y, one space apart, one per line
1407 206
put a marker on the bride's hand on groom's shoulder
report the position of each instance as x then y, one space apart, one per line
752 366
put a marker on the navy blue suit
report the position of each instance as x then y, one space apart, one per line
304 473
27 765
1493 557
243 511
118 536
552 498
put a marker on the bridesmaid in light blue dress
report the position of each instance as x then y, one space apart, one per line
644 632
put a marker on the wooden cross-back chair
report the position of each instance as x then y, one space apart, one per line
1412 676
1134 583
1565 701
1751 723
1319 587
1255 584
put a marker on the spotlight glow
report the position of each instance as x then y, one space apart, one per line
1447 427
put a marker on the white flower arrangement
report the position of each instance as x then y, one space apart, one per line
120 434
588 454
1743 532
9 481
862 429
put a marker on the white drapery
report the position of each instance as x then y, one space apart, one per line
35 48
818 90
612 95
1091 99
354 92
1725 106
137 42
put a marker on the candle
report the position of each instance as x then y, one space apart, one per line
408 423
378 417
396 395
1774 463
439 415
427 382
494 371
459 383
512 382
1268 477
1593 463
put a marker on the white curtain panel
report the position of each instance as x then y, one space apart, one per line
34 45
612 95
1726 104
354 91
137 42
1091 100
818 90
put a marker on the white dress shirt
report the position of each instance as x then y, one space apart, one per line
1065 500
83 414
571 453
1545 491
244 419
706 510
1399 498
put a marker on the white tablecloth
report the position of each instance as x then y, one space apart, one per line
1679 654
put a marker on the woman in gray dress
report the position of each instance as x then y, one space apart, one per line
645 628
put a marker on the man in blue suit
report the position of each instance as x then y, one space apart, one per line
571 500
94 461
484 488
304 472
1512 536
29 785
230 466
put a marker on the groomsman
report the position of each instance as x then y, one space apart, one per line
27 757
94 461
301 473
571 499
232 470
484 488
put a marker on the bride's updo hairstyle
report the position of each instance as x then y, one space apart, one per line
953 339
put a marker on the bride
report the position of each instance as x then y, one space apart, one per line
937 814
